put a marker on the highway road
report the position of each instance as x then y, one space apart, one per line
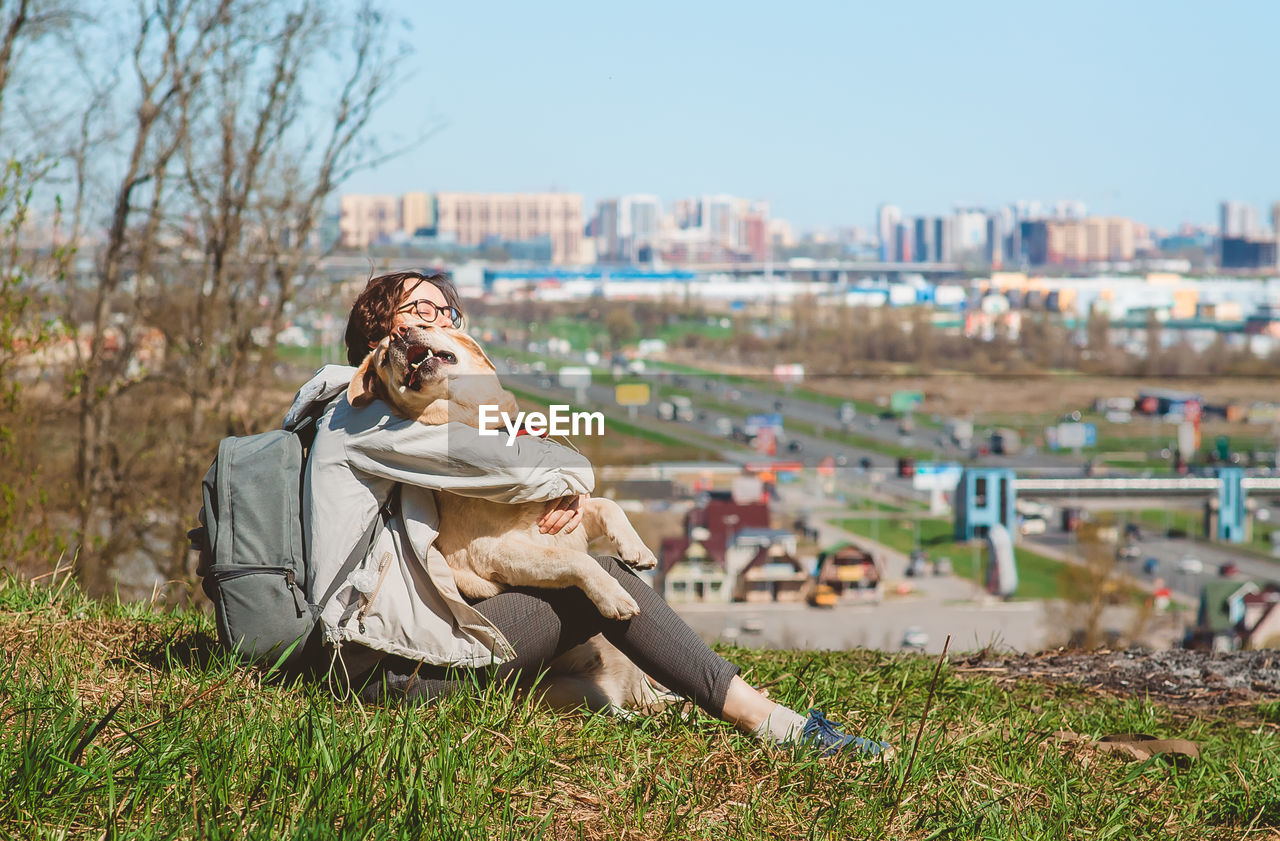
711 391
709 395
1171 556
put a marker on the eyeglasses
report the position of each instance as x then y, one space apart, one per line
429 311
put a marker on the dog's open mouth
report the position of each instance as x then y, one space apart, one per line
423 361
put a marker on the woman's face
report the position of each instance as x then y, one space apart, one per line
414 310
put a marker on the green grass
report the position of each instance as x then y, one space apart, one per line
123 722
1039 577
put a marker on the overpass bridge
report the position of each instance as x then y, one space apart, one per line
987 496
831 271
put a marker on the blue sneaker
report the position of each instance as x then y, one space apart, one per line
829 740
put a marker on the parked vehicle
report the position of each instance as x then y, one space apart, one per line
1191 566
915 638
1129 552
1033 525
917 565
1228 569
678 408
1005 442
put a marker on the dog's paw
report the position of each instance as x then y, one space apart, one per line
616 605
637 556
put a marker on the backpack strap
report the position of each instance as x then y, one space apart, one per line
360 551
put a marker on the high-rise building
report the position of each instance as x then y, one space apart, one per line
926 246
995 240
417 213
365 220
605 229
902 236
887 218
638 226
969 232
474 218
1094 239
944 239
1237 219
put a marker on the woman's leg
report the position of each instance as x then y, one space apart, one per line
542 624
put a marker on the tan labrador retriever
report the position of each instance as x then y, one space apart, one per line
440 375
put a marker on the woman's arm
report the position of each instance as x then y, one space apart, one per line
457 458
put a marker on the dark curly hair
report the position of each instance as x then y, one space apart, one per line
374 310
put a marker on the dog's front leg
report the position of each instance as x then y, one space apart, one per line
605 518
519 563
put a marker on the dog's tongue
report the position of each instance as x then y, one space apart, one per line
414 379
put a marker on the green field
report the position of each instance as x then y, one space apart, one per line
127 722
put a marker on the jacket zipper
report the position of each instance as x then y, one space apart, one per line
384 564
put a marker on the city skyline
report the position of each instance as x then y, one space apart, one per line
1150 111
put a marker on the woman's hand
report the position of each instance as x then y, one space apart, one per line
563 514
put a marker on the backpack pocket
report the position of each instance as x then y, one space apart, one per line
261 612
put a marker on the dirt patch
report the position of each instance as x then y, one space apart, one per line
1175 677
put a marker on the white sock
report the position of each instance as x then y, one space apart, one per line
781 726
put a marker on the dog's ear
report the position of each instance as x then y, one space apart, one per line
474 346
366 382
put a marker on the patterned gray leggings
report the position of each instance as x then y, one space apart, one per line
543 624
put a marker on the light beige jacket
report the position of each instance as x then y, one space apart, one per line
410 605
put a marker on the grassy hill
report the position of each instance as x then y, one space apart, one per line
125 722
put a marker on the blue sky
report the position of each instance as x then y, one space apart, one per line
1155 110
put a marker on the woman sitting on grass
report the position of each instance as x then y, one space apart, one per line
419 638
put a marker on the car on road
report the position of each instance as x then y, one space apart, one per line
1129 552
1191 566
1033 525
917 564
1150 565
914 638
1228 569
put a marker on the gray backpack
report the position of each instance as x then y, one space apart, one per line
253 558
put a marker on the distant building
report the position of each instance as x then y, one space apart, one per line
902 237
367 220
969 233
604 227
926 244
887 218
639 227
1065 242
1236 614
1237 219
466 220
474 218
1248 253
418 214
696 566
